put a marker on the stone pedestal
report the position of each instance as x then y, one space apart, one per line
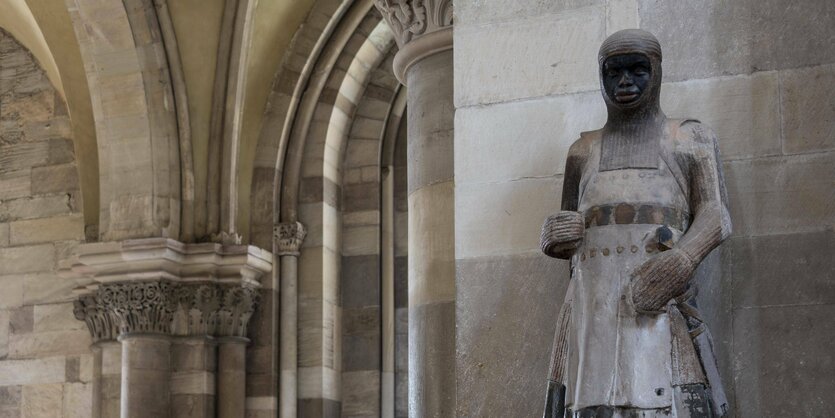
169 305
424 64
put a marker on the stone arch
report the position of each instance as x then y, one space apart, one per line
136 122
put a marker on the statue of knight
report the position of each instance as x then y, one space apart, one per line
643 204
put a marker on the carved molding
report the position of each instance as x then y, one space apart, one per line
421 28
289 237
166 287
410 19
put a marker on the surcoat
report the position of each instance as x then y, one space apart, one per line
614 356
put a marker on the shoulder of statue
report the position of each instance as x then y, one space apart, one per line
583 145
692 136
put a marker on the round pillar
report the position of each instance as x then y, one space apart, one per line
424 65
146 371
231 377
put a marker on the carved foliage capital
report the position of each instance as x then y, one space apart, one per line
289 237
101 322
163 307
410 19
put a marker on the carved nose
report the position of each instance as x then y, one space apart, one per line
625 80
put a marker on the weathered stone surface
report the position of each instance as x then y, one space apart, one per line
360 281
721 38
505 316
42 344
361 352
54 179
21 320
42 401
431 259
361 393
789 269
808 109
192 406
430 145
4 339
32 372
37 207
503 218
10 397
743 111
12 294
56 317
4 234
59 228
33 258
782 351
547 55
621 14
47 288
319 408
361 240
516 140
78 400
782 194
432 332
482 12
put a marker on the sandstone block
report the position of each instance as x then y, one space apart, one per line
503 218
763 265
10 401
21 320
505 321
481 12
510 141
12 294
22 156
41 344
54 179
15 184
56 317
431 217
42 401
361 240
38 207
32 372
721 38
360 281
779 350
70 227
4 234
808 109
46 288
361 393
32 258
547 55
78 400
781 195
743 111
4 340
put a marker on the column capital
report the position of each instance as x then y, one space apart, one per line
289 237
421 28
162 286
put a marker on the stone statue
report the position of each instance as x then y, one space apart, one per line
643 204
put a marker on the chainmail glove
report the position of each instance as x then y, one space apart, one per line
562 234
660 279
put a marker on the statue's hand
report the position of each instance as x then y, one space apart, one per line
562 234
660 279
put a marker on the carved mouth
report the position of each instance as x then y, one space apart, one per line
626 97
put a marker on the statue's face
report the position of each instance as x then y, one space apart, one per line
626 77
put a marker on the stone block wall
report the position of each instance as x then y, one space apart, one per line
759 73
46 366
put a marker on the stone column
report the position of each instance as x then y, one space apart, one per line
424 64
143 311
231 377
288 241
151 291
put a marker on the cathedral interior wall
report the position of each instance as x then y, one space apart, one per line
46 364
760 73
